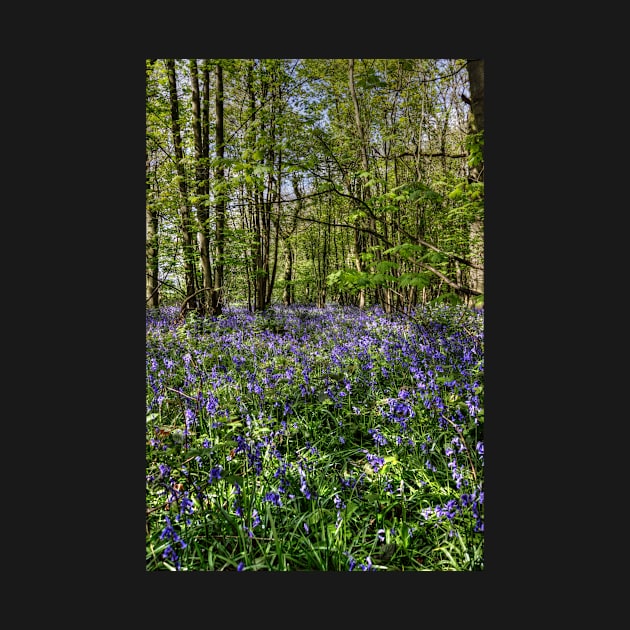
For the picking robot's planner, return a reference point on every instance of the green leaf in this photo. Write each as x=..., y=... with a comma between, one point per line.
x=351, y=508
x=357, y=215
x=261, y=169
x=405, y=250
x=386, y=265
x=419, y=280
x=379, y=279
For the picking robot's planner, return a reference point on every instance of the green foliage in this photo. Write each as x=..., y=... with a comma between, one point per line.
x=415, y=191
x=468, y=203
x=369, y=79
x=474, y=146
x=419, y=280
x=386, y=265
x=447, y=298
x=405, y=250
x=292, y=121
x=351, y=280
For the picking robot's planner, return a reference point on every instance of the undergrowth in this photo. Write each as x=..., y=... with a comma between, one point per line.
x=306, y=439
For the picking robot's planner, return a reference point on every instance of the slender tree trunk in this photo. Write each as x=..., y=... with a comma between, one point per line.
x=260, y=217
x=221, y=195
x=323, y=256
x=288, y=295
x=152, y=267
x=274, y=185
x=260, y=271
x=274, y=261
x=201, y=183
x=185, y=211
x=357, y=116
x=476, y=78
x=246, y=227
x=365, y=165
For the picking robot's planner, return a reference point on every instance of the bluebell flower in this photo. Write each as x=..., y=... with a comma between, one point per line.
x=256, y=521
x=378, y=437
x=191, y=418
x=273, y=497
x=339, y=504
x=170, y=553
x=374, y=460
x=367, y=566
x=351, y=561
x=212, y=404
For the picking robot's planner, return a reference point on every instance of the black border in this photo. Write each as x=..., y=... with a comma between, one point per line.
x=107, y=322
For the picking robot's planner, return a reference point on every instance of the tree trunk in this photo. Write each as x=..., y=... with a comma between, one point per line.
x=287, y=293
x=364, y=163
x=274, y=185
x=476, y=78
x=184, y=210
x=201, y=183
x=152, y=267
x=219, y=174
x=323, y=256
x=260, y=215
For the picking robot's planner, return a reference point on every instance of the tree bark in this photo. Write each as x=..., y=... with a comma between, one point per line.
x=219, y=174
x=358, y=240
x=476, y=78
x=184, y=209
x=152, y=266
x=201, y=184
x=287, y=292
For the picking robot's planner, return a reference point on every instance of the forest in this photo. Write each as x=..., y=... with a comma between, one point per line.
x=314, y=314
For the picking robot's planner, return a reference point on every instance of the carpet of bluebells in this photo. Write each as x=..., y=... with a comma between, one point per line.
x=310, y=439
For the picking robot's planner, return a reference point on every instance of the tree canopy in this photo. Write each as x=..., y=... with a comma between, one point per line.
x=358, y=181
